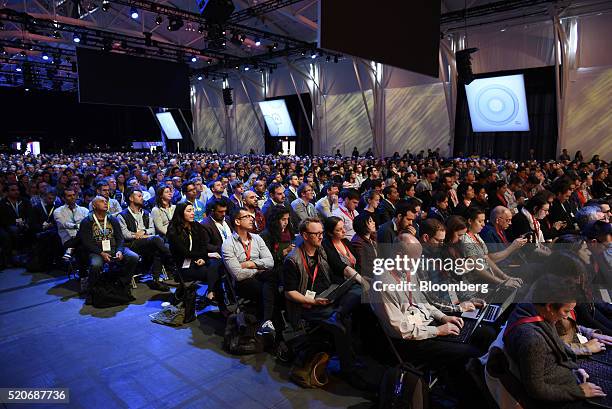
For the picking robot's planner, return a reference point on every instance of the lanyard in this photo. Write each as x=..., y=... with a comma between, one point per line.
x=501, y=234
x=48, y=214
x=536, y=226
x=350, y=216
x=163, y=210
x=347, y=254
x=247, y=249
x=521, y=321
x=195, y=204
x=473, y=236
x=15, y=207
x=98, y=223
x=221, y=228
x=135, y=219
x=313, y=275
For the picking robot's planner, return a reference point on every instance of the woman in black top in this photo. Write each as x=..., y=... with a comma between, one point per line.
x=187, y=241
x=340, y=252
x=278, y=234
x=364, y=244
x=439, y=210
x=372, y=200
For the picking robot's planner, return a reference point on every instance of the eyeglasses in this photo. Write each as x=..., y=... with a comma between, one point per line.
x=242, y=217
x=314, y=233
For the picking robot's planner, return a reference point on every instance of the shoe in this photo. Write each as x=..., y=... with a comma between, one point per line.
x=267, y=328
x=159, y=286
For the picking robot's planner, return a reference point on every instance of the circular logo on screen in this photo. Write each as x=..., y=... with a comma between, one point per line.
x=272, y=123
x=497, y=105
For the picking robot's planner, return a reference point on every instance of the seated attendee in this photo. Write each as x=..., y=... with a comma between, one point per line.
x=364, y=243
x=340, y=253
x=561, y=209
x=115, y=193
x=433, y=235
x=251, y=266
x=413, y=324
x=237, y=191
x=215, y=227
x=475, y=248
x=191, y=196
x=188, y=246
x=306, y=274
x=68, y=219
x=47, y=245
x=278, y=235
x=599, y=235
x=102, y=189
x=139, y=235
x=439, y=209
x=456, y=228
x=403, y=220
x=102, y=240
x=292, y=182
x=465, y=194
x=600, y=187
x=539, y=358
x=497, y=194
x=249, y=199
x=346, y=211
x=302, y=207
x=276, y=196
x=328, y=203
x=14, y=214
x=494, y=235
x=163, y=211
x=386, y=208
x=372, y=201
x=583, y=341
x=527, y=223
x=216, y=189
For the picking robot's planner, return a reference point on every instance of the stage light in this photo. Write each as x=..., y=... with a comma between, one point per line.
x=275, y=46
x=175, y=24
x=27, y=89
x=201, y=29
x=134, y=13
x=76, y=38
x=45, y=57
x=105, y=5
x=213, y=79
x=246, y=68
x=209, y=61
x=158, y=20
x=18, y=69
x=194, y=59
x=56, y=34
x=242, y=38
x=199, y=78
x=257, y=42
x=22, y=54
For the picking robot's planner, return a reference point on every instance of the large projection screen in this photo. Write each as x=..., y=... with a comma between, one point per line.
x=498, y=104
x=277, y=117
x=169, y=125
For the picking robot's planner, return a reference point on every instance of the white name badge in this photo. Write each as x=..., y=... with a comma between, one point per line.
x=310, y=295
x=106, y=246
x=186, y=263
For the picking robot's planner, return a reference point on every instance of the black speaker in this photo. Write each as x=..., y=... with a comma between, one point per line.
x=227, y=96
x=216, y=11
x=464, y=65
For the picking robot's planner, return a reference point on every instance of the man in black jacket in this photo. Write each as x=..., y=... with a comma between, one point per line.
x=276, y=197
x=139, y=234
x=216, y=228
x=102, y=239
x=386, y=207
x=47, y=244
x=14, y=214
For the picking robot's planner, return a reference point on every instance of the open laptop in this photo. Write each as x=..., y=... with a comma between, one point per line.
x=493, y=310
x=601, y=375
x=469, y=327
x=336, y=291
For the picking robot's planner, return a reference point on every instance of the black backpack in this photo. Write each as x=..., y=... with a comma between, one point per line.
x=241, y=335
x=109, y=291
x=185, y=298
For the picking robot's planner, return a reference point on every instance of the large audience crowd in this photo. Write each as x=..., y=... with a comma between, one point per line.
x=283, y=230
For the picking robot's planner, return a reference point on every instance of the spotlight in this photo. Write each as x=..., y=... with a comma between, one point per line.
x=105, y=5
x=158, y=20
x=27, y=90
x=22, y=54
x=213, y=79
x=246, y=68
x=56, y=34
x=242, y=38
x=76, y=38
x=175, y=24
x=18, y=69
x=45, y=57
x=209, y=61
x=313, y=56
x=134, y=13
x=194, y=59
x=257, y=42
x=275, y=46
x=201, y=29
x=199, y=78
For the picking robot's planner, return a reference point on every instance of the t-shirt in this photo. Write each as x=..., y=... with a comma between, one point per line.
x=99, y=234
x=292, y=276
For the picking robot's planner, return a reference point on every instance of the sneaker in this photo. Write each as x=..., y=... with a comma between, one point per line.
x=159, y=286
x=267, y=328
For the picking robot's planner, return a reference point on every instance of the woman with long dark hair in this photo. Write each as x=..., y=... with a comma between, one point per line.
x=278, y=234
x=188, y=242
x=163, y=211
x=364, y=243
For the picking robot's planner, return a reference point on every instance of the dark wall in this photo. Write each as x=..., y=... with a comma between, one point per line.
x=542, y=110
x=54, y=118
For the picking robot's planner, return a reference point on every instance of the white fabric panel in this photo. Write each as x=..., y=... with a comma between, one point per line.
x=594, y=34
x=398, y=78
x=589, y=113
x=515, y=48
x=346, y=124
x=340, y=78
x=248, y=132
x=416, y=119
x=281, y=85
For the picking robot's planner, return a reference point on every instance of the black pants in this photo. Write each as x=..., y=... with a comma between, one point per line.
x=208, y=273
x=260, y=289
x=127, y=266
x=152, y=248
x=11, y=237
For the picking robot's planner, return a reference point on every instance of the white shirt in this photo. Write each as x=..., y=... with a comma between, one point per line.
x=347, y=217
x=68, y=221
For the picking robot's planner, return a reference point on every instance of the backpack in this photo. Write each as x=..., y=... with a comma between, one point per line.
x=109, y=291
x=185, y=300
x=241, y=335
x=313, y=372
